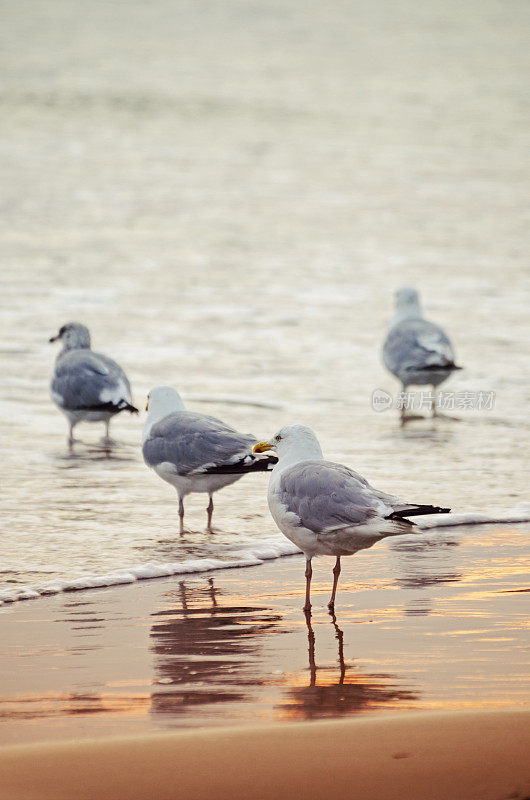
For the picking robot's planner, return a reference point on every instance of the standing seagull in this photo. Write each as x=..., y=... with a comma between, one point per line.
x=416, y=351
x=87, y=386
x=327, y=508
x=194, y=452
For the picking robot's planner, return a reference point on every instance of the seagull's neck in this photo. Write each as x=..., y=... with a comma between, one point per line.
x=158, y=412
x=408, y=311
x=296, y=452
x=67, y=348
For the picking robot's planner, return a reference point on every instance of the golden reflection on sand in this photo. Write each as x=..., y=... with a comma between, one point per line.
x=51, y=704
x=333, y=692
x=204, y=650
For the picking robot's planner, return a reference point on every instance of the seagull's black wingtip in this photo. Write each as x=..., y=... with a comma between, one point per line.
x=248, y=463
x=417, y=511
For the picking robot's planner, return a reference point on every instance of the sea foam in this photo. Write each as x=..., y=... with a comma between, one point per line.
x=247, y=555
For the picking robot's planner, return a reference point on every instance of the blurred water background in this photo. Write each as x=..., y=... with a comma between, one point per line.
x=227, y=194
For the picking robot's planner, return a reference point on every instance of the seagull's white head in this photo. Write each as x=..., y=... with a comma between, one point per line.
x=74, y=336
x=161, y=401
x=292, y=443
x=407, y=304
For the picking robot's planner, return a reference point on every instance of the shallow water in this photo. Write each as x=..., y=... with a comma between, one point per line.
x=231, y=218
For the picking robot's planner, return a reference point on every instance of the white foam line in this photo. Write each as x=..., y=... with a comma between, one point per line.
x=274, y=547
x=255, y=554
x=521, y=513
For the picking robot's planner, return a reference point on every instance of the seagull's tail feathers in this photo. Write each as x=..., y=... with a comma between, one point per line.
x=247, y=463
x=445, y=366
x=413, y=510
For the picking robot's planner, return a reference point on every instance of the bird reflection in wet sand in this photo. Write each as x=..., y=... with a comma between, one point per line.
x=351, y=693
x=205, y=651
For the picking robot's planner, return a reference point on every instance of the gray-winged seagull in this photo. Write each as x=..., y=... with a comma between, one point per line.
x=416, y=351
x=195, y=452
x=87, y=386
x=327, y=508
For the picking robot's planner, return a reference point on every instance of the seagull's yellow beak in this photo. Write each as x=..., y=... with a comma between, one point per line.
x=261, y=447
x=147, y=405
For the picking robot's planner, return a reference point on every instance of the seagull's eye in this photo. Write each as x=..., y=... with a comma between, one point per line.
x=278, y=438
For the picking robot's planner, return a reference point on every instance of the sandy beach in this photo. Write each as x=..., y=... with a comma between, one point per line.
x=462, y=756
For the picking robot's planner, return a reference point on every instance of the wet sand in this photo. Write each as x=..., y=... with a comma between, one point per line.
x=462, y=756
x=435, y=622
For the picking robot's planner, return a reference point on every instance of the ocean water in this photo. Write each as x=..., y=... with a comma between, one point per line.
x=227, y=197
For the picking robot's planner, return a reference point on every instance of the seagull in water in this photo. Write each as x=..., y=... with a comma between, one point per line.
x=327, y=508
x=195, y=452
x=87, y=386
x=416, y=351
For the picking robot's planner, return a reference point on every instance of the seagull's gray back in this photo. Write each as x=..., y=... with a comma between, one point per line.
x=191, y=441
x=418, y=352
x=327, y=496
x=80, y=377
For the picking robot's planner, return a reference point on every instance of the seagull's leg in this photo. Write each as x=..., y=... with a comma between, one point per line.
x=308, y=574
x=209, y=511
x=106, y=439
x=403, y=417
x=440, y=414
x=181, y=514
x=71, y=439
x=435, y=397
x=336, y=573
x=408, y=417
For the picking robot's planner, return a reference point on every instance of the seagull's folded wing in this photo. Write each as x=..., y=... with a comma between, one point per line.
x=326, y=497
x=84, y=380
x=417, y=344
x=195, y=443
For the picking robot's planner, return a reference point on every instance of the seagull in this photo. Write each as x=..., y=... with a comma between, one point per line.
x=416, y=351
x=195, y=452
x=87, y=386
x=327, y=508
